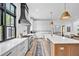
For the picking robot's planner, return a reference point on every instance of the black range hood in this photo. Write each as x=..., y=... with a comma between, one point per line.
x=23, y=19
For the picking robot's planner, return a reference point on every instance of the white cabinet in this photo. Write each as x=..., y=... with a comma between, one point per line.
x=18, y=50
x=11, y=52
x=29, y=42
x=22, y=48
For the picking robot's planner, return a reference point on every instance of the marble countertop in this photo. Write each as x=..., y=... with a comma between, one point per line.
x=61, y=40
x=7, y=45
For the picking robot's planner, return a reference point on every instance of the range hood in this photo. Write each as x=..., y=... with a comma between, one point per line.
x=23, y=19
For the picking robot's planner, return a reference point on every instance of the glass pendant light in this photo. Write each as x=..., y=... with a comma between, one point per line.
x=66, y=15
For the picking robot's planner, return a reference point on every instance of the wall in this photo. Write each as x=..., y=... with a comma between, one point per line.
x=42, y=26
x=19, y=27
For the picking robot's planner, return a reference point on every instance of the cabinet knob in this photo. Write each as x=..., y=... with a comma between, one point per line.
x=61, y=48
x=62, y=51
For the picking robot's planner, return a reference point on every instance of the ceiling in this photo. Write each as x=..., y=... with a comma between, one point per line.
x=43, y=10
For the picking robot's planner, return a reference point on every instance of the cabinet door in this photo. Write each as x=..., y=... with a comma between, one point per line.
x=62, y=50
x=67, y=50
x=21, y=49
x=74, y=50
x=11, y=52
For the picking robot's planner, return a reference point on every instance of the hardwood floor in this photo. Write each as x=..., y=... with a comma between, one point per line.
x=44, y=45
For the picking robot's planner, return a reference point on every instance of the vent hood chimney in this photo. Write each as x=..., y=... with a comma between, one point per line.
x=23, y=19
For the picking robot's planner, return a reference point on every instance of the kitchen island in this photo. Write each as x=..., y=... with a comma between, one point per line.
x=62, y=46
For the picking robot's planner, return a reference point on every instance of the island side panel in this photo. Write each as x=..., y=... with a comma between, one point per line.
x=52, y=49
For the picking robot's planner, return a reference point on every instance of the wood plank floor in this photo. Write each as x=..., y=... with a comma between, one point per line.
x=45, y=47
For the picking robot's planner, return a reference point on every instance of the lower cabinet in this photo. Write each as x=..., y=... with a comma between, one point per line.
x=61, y=50
x=66, y=49
x=11, y=52
x=18, y=50
x=30, y=42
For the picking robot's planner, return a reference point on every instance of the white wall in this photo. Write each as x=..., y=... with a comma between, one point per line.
x=17, y=18
x=42, y=26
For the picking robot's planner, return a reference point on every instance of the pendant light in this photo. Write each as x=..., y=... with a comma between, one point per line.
x=66, y=15
x=51, y=23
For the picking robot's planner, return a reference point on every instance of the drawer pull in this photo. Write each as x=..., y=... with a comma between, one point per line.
x=61, y=48
x=62, y=51
x=9, y=53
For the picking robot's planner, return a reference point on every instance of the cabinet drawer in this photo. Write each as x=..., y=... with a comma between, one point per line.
x=11, y=52
x=22, y=49
x=61, y=50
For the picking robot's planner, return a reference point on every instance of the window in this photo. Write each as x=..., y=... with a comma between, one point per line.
x=7, y=21
x=12, y=21
x=1, y=34
x=13, y=32
x=3, y=18
x=0, y=4
x=0, y=17
x=12, y=9
x=8, y=6
x=8, y=33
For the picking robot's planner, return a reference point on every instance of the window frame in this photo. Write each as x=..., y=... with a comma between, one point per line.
x=3, y=20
